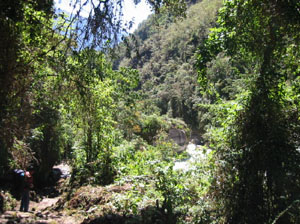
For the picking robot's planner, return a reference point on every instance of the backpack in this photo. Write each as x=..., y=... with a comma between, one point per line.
x=19, y=176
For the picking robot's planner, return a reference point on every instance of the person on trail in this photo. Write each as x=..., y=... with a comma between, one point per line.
x=27, y=185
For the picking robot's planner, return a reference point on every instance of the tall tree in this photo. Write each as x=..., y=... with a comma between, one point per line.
x=22, y=30
x=32, y=33
x=262, y=175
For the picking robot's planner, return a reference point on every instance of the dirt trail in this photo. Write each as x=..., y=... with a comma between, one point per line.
x=40, y=212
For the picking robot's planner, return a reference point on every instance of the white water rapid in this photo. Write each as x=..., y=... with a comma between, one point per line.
x=196, y=153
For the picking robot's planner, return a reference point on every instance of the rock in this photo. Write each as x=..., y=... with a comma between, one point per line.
x=39, y=214
x=196, y=138
x=178, y=136
x=65, y=170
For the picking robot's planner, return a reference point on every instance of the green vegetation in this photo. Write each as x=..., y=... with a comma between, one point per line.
x=121, y=110
x=164, y=53
x=258, y=177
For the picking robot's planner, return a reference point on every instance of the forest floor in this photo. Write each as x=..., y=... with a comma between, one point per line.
x=90, y=204
x=41, y=211
x=87, y=204
x=39, y=214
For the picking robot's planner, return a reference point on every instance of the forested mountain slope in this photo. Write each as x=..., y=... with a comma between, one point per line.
x=231, y=74
x=165, y=57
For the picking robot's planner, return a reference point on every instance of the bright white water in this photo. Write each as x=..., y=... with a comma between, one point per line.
x=196, y=153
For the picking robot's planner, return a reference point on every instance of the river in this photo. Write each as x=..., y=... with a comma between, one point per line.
x=195, y=153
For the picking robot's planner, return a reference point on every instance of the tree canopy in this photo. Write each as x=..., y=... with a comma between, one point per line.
x=36, y=48
x=225, y=75
x=257, y=175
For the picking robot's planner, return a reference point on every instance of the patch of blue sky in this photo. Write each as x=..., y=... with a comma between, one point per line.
x=131, y=12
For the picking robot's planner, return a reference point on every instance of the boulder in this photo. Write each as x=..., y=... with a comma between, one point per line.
x=178, y=136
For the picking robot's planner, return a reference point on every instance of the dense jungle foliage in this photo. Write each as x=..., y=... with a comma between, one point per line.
x=224, y=74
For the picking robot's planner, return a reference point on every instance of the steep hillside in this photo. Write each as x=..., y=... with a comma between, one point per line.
x=165, y=58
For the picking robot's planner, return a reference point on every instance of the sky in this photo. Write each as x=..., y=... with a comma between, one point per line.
x=131, y=11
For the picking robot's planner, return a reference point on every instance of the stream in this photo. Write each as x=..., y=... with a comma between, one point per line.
x=195, y=153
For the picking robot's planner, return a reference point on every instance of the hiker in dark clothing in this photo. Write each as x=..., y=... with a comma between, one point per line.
x=27, y=185
x=18, y=183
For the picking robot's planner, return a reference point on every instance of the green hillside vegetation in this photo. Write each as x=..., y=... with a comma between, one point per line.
x=164, y=54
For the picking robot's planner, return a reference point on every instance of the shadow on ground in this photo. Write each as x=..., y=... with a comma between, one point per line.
x=149, y=215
